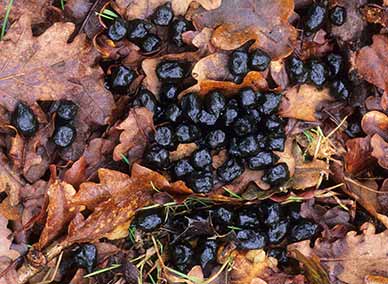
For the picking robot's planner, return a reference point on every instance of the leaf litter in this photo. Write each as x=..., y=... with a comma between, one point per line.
x=58, y=205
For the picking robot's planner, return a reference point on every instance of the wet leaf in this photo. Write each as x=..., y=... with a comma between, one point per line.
x=372, y=62
x=303, y=102
x=114, y=201
x=136, y=131
x=10, y=182
x=354, y=25
x=5, y=233
x=59, y=211
x=350, y=259
x=46, y=68
x=358, y=155
x=263, y=21
x=380, y=150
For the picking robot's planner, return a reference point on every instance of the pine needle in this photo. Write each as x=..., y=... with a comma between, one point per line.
x=232, y=194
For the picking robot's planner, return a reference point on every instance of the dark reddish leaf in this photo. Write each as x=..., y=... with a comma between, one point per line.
x=263, y=21
x=375, y=122
x=372, y=62
x=380, y=150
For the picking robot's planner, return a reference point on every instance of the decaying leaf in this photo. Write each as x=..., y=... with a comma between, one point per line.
x=372, y=62
x=358, y=155
x=380, y=150
x=46, y=68
x=350, y=259
x=249, y=267
x=302, y=102
x=59, y=211
x=10, y=182
x=375, y=14
x=5, y=233
x=36, y=9
x=114, y=201
x=266, y=22
x=136, y=130
x=351, y=30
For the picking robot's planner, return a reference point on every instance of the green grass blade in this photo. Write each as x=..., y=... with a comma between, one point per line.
x=5, y=20
x=110, y=13
x=94, y=273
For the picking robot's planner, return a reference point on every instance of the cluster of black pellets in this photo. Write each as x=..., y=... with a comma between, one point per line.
x=268, y=225
x=24, y=119
x=143, y=32
x=245, y=125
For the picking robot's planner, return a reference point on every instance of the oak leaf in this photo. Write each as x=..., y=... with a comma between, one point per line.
x=5, y=248
x=358, y=156
x=46, y=68
x=136, y=129
x=266, y=22
x=302, y=102
x=60, y=211
x=380, y=150
x=372, y=62
x=350, y=259
x=114, y=201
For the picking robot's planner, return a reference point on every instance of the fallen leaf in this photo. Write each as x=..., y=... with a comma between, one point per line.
x=250, y=266
x=372, y=62
x=33, y=199
x=380, y=150
x=11, y=276
x=183, y=151
x=114, y=201
x=10, y=182
x=354, y=25
x=375, y=122
x=375, y=14
x=36, y=9
x=302, y=102
x=358, y=156
x=314, y=271
x=60, y=211
x=77, y=173
x=279, y=74
x=46, y=68
x=240, y=183
x=39, y=152
x=350, y=259
x=136, y=132
x=266, y=22
x=5, y=248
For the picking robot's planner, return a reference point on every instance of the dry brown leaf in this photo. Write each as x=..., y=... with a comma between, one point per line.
x=46, y=68
x=263, y=21
x=350, y=259
x=372, y=62
x=249, y=267
x=114, y=201
x=240, y=183
x=307, y=174
x=10, y=182
x=59, y=211
x=36, y=9
x=380, y=150
x=375, y=122
x=11, y=276
x=183, y=151
x=136, y=131
x=141, y=9
x=358, y=155
x=5, y=248
x=354, y=25
x=375, y=14
x=77, y=173
x=302, y=102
